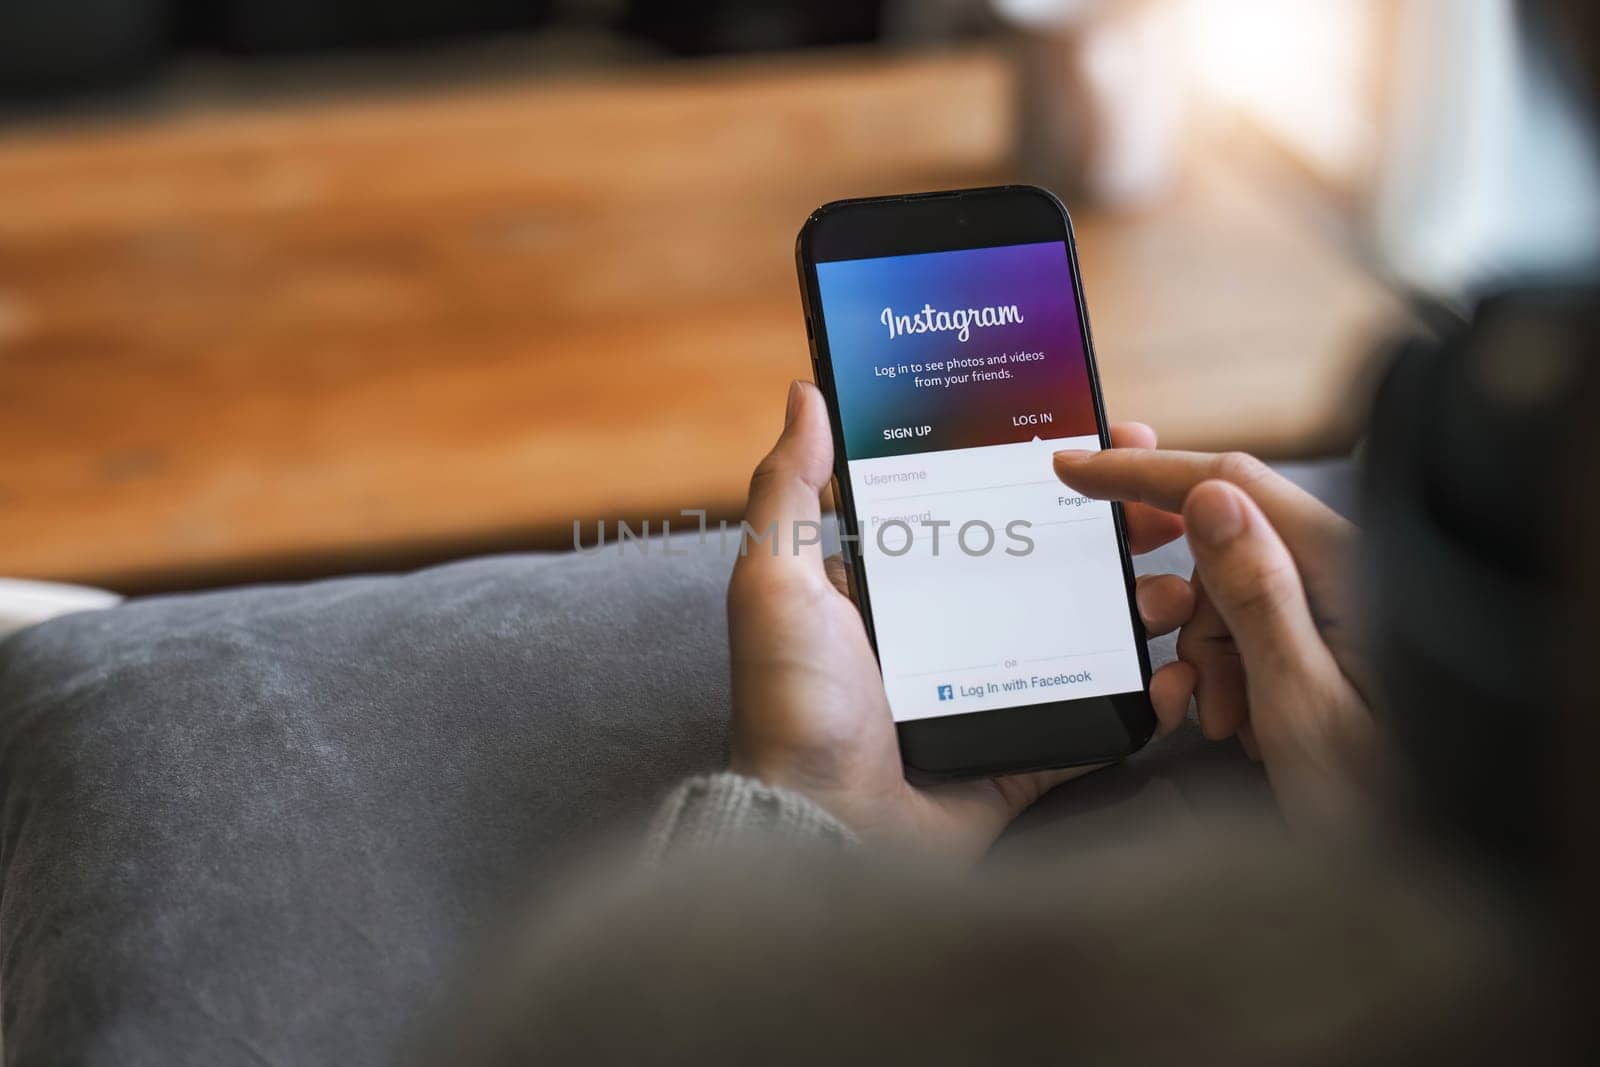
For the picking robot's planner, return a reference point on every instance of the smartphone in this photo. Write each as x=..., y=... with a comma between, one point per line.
x=949, y=334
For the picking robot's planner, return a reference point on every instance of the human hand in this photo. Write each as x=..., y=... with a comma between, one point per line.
x=1269, y=652
x=809, y=709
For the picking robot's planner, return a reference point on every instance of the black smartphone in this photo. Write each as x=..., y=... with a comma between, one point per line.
x=949, y=334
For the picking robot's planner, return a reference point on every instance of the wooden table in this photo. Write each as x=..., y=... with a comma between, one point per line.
x=289, y=340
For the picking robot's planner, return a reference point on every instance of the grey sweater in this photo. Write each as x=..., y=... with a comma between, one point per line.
x=721, y=810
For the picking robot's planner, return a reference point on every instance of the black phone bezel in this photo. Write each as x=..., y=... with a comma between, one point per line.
x=1003, y=740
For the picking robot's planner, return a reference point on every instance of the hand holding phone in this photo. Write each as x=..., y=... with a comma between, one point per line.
x=810, y=710
x=950, y=338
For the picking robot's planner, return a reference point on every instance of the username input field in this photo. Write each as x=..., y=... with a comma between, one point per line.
x=997, y=485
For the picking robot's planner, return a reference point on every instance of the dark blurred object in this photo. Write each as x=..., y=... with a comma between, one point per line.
x=705, y=27
x=48, y=46
x=1482, y=515
x=1479, y=517
x=53, y=48
x=1572, y=29
x=294, y=25
x=49, y=49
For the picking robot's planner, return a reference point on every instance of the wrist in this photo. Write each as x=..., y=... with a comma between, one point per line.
x=816, y=784
x=776, y=774
x=1329, y=777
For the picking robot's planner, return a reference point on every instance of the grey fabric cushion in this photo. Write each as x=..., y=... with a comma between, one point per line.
x=262, y=825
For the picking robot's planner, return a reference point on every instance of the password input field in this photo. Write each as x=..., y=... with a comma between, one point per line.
x=970, y=489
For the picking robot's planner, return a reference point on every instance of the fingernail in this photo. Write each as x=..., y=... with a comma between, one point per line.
x=1139, y=597
x=1072, y=456
x=1213, y=515
x=793, y=404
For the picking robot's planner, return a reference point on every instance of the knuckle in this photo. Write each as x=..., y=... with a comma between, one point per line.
x=769, y=472
x=1242, y=469
x=1263, y=589
x=1196, y=645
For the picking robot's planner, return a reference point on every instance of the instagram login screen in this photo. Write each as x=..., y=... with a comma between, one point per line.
x=992, y=585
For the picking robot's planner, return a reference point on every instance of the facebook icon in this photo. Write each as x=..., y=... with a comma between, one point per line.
x=947, y=692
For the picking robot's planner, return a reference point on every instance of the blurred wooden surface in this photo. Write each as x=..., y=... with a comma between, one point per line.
x=279, y=341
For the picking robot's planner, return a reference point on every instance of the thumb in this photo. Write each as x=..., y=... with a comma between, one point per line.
x=783, y=509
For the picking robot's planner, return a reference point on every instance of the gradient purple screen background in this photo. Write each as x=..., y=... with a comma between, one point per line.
x=1037, y=278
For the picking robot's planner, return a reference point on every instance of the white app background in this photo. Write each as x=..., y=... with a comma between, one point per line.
x=970, y=630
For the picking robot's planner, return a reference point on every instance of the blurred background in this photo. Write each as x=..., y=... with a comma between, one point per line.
x=295, y=287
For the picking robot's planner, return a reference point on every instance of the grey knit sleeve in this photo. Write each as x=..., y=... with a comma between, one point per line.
x=719, y=809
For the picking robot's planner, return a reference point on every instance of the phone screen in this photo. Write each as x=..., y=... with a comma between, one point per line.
x=990, y=583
